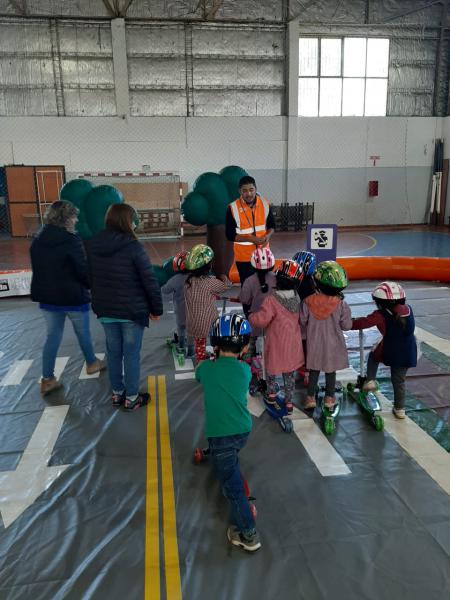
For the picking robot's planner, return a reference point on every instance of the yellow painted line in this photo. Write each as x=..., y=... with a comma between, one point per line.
x=171, y=558
x=372, y=239
x=152, y=585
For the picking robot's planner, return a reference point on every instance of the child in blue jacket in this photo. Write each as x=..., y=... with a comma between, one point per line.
x=398, y=348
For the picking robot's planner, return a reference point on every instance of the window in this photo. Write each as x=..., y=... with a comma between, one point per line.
x=342, y=76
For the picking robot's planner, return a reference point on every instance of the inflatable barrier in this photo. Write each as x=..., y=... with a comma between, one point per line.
x=387, y=267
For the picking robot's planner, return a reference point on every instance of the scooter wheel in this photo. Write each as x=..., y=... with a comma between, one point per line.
x=286, y=425
x=378, y=422
x=329, y=426
x=350, y=387
x=253, y=510
x=198, y=456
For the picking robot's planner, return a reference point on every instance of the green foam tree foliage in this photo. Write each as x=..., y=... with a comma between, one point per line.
x=212, y=193
x=92, y=202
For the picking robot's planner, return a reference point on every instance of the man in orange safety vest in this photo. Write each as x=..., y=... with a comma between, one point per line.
x=249, y=224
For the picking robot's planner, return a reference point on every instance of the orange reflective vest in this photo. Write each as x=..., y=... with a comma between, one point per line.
x=249, y=221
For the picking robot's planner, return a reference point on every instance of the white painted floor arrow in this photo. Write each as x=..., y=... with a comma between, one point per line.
x=20, y=488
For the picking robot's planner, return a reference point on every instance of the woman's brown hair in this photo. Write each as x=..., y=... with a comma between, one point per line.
x=121, y=217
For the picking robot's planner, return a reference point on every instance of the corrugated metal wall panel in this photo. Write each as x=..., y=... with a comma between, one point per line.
x=157, y=103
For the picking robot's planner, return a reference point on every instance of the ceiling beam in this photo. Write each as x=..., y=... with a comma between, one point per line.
x=412, y=11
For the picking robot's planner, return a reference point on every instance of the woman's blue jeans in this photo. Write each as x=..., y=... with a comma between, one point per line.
x=123, y=348
x=225, y=457
x=55, y=328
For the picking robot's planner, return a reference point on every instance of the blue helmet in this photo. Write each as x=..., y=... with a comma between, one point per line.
x=307, y=260
x=231, y=329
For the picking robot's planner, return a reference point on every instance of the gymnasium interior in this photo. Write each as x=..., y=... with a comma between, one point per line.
x=339, y=109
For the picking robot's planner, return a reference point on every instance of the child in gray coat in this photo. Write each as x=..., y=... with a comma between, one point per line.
x=174, y=288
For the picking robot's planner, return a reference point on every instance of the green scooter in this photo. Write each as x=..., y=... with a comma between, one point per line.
x=177, y=352
x=367, y=400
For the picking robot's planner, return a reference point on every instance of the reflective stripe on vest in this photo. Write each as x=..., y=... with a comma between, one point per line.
x=249, y=222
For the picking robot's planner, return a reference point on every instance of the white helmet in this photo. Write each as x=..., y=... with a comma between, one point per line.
x=262, y=258
x=389, y=290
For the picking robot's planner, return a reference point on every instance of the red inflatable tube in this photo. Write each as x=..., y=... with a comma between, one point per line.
x=387, y=268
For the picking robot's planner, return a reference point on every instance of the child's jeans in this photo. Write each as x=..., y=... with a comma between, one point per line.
x=289, y=385
x=55, y=328
x=225, y=457
x=398, y=378
x=330, y=383
x=200, y=349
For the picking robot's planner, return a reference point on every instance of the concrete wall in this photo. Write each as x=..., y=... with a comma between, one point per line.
x=329, y=164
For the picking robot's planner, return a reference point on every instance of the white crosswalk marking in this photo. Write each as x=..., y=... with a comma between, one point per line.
x=187, y=375
x=16, y=372
x=84, y=375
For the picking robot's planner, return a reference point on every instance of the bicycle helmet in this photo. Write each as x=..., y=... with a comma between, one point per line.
x=389, y=290
x=262, y=258
x=230, y=330
x=331, y=275
x=307, y=260
x=198, y=257
x=179, y=261
x=289, y=269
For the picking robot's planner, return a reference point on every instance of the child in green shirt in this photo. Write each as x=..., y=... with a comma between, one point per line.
x=228, y=423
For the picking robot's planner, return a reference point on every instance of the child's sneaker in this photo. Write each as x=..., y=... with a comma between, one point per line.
x=399, y=413
x=289, y=407
x=370, y=386
x=329, y=401
x=250, y=544
x=49, y=385
x=310, y=402
x=95, y=367
x=140, y=400
x=118, y=399
x=271, y=399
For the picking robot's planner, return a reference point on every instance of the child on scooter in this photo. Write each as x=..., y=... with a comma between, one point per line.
x=324, y=315
x=279, y=316
x=200, y=292
x=258, y=286
x=228, y=422
x=398, y=347
x=174, y=288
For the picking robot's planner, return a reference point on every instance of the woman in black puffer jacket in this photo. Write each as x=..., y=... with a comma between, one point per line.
x=60, y=284
x=125, y=294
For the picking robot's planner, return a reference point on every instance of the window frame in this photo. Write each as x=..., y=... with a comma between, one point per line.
x=319, y=75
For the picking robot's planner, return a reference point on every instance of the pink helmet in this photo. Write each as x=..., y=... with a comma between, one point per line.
x=262, y=258
x=389, y=290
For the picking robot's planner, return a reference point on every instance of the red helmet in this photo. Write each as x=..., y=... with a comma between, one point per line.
x=262, y=258
x=290, y=270
x=389, y=290
x=178, y=262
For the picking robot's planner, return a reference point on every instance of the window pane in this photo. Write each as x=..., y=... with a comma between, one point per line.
x=307, y=56
x=354, y=57
x=376, y=97
x=330, y=97
x=377, y=58
x=353, y=98
x=308, y=95
x=330, y=57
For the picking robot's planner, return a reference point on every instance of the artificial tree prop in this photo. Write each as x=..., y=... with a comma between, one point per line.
x=207, y=205
x=92, y=202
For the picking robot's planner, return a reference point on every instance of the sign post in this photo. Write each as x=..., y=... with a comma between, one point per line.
x=322, y=240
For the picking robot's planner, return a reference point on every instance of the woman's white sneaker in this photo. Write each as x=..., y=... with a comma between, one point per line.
x=399, y=413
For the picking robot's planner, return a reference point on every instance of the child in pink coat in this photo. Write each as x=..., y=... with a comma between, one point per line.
x=279, y=316
x=324, y=316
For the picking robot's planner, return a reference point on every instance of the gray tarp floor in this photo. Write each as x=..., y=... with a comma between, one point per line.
x=381, y=532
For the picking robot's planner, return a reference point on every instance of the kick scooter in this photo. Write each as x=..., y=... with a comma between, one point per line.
x=367, y=400
x=177, y=352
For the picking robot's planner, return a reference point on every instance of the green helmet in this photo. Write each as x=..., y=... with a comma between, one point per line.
x=198, y=257
x=329, y=273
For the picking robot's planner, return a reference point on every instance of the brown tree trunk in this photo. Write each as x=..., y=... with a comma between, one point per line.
x=223, y=249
